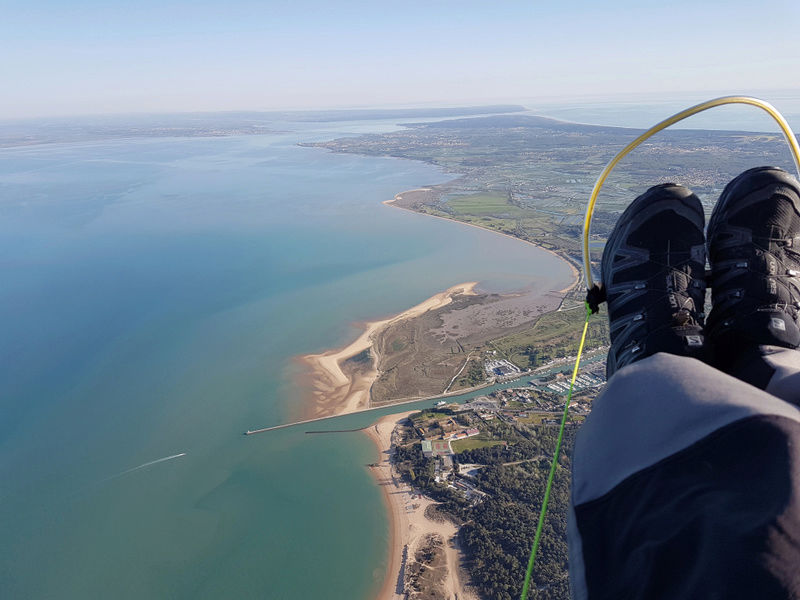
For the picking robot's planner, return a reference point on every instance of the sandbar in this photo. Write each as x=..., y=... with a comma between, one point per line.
x=337, y=392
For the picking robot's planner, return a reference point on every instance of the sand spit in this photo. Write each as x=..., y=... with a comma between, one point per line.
x=408, y=523
x=338, y=392
x=423, y=191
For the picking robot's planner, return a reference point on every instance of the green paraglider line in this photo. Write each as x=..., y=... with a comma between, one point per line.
x=537, y=538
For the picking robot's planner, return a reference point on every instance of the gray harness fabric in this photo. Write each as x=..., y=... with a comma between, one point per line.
x=686, y=484
x=785, y=383
x=654, y=408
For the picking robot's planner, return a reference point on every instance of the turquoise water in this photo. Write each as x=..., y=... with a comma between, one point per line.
x=154, y=295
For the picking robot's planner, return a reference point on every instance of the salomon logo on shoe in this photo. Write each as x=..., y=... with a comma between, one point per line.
x=778, y=324
x=694, y=341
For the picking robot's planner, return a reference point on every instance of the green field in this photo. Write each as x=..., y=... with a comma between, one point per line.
x=499, y=213
x=428, y=415
x=554, y=335
x=538, y=417
x=483, y=205
x=472, y=443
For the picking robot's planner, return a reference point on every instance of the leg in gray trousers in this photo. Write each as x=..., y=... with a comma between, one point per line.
x=686, y=484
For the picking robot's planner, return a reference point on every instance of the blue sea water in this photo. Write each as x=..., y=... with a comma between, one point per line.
x=155, y=292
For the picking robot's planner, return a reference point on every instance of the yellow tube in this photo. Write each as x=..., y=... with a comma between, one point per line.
x=587, y=222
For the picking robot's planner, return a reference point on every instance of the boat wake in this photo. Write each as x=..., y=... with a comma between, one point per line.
x=97, y=484
x=142, y=466
x=147, y=464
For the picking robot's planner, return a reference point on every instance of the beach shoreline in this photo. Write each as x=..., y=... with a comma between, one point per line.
x=408, y=525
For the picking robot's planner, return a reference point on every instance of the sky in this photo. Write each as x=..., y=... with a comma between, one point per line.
x=76, y=57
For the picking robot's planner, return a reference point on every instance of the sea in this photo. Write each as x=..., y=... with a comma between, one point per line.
x=156, y=293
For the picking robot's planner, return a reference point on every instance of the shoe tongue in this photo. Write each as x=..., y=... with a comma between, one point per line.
x=682, y=318
x=774, y=219
x=781, y=217
x=666, y=233
x=678, y=280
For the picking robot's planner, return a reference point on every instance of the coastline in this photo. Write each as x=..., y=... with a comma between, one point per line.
x=336, y=392
x=408, y=525
x=575, y=272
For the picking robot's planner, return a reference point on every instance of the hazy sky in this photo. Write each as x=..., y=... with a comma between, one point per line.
x=106, y=56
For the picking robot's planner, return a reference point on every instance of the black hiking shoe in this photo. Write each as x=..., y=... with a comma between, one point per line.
x=653, y=272
x=754, y=252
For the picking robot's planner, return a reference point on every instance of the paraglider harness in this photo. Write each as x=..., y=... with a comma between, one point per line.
x=596, y=295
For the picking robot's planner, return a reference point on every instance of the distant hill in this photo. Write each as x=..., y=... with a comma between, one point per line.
x=505, y=121
x=23, y=132
x=399, y=113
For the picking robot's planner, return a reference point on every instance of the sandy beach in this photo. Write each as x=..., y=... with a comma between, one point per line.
x=336, y=392
x=408, y=523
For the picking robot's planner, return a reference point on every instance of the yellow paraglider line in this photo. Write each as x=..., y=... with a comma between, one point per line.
x=773, y=112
